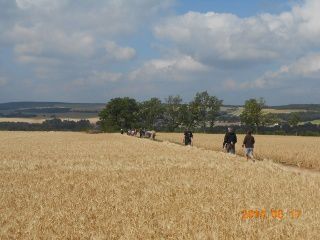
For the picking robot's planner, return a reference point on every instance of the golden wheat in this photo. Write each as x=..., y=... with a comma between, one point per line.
x=299, y=151
x=109, y=186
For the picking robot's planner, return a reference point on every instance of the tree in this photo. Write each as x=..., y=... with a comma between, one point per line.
x=119, y=113
x=294, y=119
x=172, y=112
x=206, y=109
x=150, y=111
x=252, y=114
x=269, y=119
x=187, y=116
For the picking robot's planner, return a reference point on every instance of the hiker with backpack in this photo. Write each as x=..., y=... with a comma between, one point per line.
x=188, y=137
x=230, y=140
x=248, y=144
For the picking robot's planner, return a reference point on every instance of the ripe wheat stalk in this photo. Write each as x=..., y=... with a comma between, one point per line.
x=108, y=186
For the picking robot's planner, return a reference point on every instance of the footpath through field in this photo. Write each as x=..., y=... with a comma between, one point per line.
x=281, y=165
x=291, y=150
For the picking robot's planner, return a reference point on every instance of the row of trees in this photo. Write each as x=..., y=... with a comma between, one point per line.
x=127, y=113
x=200, y=114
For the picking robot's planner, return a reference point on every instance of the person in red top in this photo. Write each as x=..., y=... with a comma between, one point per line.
x=248, y=144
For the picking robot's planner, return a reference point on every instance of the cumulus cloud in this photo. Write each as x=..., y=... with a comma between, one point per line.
x=306, y=68
x=47, y=28
x=216, y=37
x=39, y=41
x=96, y=78
x=101, y=48
x=119, y=53
x=42, y=4
x=54, y=42
x=180, y=68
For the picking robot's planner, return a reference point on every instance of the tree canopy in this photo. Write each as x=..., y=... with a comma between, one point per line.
x=126, y=113
x=119, y=113
x=252, y=114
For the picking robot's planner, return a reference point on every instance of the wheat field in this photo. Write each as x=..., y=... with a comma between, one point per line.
x=108, y=186
x=298, y=151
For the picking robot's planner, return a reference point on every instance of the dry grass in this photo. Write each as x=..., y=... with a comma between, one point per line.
x=107, y=186
x=299, y=151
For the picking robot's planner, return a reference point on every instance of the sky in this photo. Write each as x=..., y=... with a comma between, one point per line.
x=92, y=51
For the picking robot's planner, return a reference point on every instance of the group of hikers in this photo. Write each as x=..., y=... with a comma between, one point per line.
x=143, y=133
x=229, y=142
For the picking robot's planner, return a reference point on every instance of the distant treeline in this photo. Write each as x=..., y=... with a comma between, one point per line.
x=303, y=116
x=84, y=125
x=48, y=125
x=201, y=115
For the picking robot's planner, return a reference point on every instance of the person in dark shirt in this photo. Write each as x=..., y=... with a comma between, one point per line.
x=230, y=140
x=188, y=137
x=248, y=144
x=141, y=133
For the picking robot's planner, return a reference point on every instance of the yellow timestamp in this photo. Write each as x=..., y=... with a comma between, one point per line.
x=279, y=214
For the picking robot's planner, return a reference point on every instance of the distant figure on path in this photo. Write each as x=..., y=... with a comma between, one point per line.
x=150, y=134
x=121, y=131
x=248, y=144
x=141, y=133
x=230, y=140
x=188, y=137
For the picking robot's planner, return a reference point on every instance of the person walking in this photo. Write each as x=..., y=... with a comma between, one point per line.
x=248, y=144
x=188, y=137
x=141, y=133
x=230, y=140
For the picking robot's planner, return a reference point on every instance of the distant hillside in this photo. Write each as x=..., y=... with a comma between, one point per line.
x=63, y=110
x=23, y=105
x=307, y=107
x=50, y=109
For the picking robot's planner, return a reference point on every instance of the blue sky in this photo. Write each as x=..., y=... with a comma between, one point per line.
x=80, y=51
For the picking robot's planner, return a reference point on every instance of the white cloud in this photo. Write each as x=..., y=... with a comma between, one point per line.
x=43, y=4
x=308, y=66
x=91, y=42
x=67, y=28
x=305, y=68
x=119, y=53
x=96, y=79
x=178, y=68
x=230, y=84
x=38, y=40
x=216, y=37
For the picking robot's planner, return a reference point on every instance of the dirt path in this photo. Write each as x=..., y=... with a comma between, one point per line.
x=296, y=169
x=282, y=166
